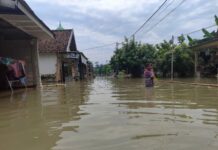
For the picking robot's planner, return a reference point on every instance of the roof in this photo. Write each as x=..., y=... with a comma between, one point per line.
x=19, y=14
x=82, y=54
x=64, y=41
x=206, y=43
x=9, y=32
x=35, y=16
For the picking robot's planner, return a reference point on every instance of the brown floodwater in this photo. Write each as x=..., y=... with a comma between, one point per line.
x=110, y=114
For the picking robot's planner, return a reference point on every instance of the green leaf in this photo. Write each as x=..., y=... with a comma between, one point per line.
x=207, y=34
x=216, y=20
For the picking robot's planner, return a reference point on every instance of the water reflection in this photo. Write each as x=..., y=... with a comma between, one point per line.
x=110, y=114
x=34, y=119
x=173, y=106
x=62, y=104
x=173, y=102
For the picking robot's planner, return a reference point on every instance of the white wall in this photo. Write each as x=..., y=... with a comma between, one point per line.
x=47, y=63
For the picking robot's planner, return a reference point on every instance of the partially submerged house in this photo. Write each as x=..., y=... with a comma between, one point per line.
x=83, y=66
x=90, y=70
x=20, y=30
x=59, y=59
x=206, y=57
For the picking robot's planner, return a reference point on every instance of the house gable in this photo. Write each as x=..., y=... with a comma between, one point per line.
x=64, y=41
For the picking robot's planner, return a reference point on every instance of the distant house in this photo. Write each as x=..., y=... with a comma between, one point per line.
x=59, y=59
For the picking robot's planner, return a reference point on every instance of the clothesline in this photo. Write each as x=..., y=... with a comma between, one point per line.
x=15, y=70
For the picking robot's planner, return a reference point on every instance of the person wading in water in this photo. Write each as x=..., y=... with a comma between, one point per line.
x=149, y=76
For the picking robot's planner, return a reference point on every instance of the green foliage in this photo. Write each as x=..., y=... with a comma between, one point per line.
x=132, y=57
x=207, y=34
x=181, y=39
x=121, y=74
x=103, y=70
x=216, y=20
x=163, y=58
x=191, y=41
x=184, y=61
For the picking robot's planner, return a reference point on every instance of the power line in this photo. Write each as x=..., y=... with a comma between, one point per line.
x=162, y=19
x=159, y=8
x=164, y=9
x=106, y=45
x=101, y=46
x=208, y=27
x=167, y=7
x=195, y=31
x=149, y=19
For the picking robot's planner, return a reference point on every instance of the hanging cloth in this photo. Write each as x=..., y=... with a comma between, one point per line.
x=16, y=69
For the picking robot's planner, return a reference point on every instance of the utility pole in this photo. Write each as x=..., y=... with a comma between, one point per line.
x=117, y=45
x=117, y=65
x=133, y=37
x=172, y=59
x=172, y=66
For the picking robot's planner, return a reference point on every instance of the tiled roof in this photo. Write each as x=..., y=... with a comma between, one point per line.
x=59, y=44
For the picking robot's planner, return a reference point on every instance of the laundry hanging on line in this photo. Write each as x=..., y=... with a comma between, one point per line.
x=16, y=68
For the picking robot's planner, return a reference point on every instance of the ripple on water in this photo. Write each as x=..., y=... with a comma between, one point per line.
x=110, y=114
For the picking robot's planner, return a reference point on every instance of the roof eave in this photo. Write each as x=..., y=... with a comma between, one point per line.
x=23, y=6
x=71, y=39
x=83, y=55
x=213, y=43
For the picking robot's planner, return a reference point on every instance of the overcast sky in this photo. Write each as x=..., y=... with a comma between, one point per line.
x=97, y=22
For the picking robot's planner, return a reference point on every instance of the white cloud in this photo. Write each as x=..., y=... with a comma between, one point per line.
x=109, y=5
x=96, y=36
x=123, y=8
x=102, y=55
x=98, y=22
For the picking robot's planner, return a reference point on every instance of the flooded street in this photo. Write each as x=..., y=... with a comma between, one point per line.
x=109, y=114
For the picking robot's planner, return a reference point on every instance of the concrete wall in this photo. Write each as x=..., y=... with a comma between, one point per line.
x=23, y=50
x=47, y=63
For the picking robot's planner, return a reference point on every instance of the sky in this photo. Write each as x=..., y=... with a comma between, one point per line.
x=99, y=22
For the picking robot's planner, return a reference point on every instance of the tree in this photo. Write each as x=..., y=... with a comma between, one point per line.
x=103, y=70
x=207, y=34
x=163, y=58
x=181, y=39
x=184, y=61
x=132, y=57
x=216, y=20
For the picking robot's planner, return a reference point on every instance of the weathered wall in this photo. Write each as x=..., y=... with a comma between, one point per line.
x=23, y=50
x=47, y=63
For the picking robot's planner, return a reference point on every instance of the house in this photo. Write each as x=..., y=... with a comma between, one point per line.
x=206, y=57
x=59, y=59
x=90, y=70
x=52, y=63
x=20, y=30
